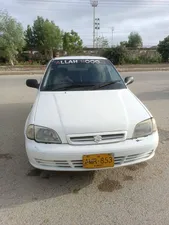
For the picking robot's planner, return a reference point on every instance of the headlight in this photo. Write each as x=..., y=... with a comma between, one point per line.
x=145, y=128
x=42, y=134
x=30, y=132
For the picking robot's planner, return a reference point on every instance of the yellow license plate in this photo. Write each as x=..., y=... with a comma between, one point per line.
x=98, y=161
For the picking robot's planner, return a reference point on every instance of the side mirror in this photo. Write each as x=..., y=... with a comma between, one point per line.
x=33, y=83
x=128, y=80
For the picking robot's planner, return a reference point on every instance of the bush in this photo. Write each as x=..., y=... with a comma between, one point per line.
x=121, y=55
x=163, y=49
x=26, y=63
x=117, y=54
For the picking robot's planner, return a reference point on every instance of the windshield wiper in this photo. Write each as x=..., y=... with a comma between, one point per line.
x=79, y=85
x=67, y=87
x=106, y=84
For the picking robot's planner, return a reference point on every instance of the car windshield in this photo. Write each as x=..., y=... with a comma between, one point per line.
x=81, y=74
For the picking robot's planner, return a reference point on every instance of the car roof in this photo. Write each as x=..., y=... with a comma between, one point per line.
x=79, y=57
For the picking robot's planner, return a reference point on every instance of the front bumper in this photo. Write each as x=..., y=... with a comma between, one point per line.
x=65, y=157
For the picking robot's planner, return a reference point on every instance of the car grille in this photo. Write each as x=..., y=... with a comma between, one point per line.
x=97, y=138
x=120, y=160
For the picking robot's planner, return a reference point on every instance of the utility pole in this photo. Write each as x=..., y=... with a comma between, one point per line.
x=97, y=27
x=112, y=34
x=94, y=4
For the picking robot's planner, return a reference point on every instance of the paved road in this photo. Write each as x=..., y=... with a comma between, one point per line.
x=135, y=195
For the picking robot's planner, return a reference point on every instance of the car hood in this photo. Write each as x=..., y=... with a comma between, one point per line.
x=85, y=112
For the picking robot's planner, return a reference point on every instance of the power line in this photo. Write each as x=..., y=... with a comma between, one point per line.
x=69, y=7
x=100, y=2
x=105, y=3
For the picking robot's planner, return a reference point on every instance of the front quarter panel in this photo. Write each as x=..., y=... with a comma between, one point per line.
x=141, y=103
x=135, y=110
x=31, y=116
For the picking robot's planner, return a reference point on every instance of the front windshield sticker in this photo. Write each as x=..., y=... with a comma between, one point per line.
x=73, y=61
x=90, y=61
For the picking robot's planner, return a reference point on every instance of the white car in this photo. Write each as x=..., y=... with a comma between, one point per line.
x=85, y=118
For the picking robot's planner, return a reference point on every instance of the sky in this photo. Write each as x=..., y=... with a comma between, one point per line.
x=150, y=18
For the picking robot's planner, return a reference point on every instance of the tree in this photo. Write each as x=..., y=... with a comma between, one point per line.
x=72, y=43
x=134, y=40
x=11, y=38
x=124, y=43
x=102, y=42
x=30, y=39
x=117, y=54
x=53, y=36
x=44, y=36
x=163, y=49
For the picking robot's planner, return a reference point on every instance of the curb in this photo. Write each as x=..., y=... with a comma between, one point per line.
x=10, y=73
x=41, y=72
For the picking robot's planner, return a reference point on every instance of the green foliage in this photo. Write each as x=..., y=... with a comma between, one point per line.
x=122, y=55
x=102, y=42
x=38, y=33
x=134, y=40
x=30, y=39
x=116, y=54
x=44, y=36
x=72, y=43
x=52, y=36
x=124, y=43
x=27, y=63
x=11, y=38
x=143, y=59
x=163, y=49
